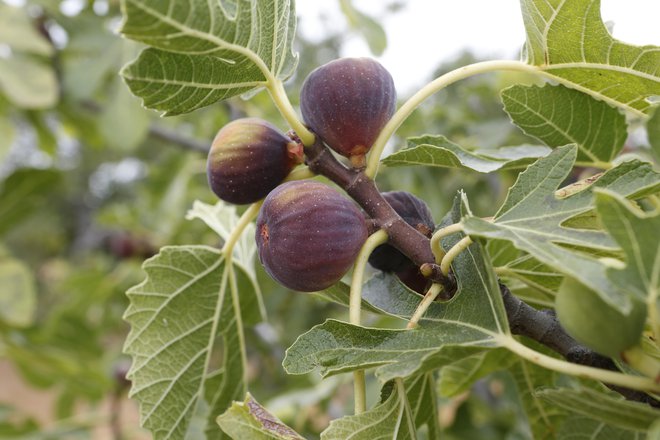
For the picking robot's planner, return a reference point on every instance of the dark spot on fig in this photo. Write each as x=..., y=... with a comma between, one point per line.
x=313, y=235
x=347, y=102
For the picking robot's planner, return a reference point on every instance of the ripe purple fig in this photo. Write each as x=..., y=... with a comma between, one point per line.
x=249, y=157
x=308, y=235
x=347, y=102
x=417, y=214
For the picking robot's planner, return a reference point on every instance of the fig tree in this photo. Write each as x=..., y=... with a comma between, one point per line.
x=308, y=235
x=248, y=158
x=595, y=323
x=417, y=214
x=347, y=102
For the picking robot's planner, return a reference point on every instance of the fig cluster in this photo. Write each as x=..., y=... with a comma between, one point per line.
x=308, y=235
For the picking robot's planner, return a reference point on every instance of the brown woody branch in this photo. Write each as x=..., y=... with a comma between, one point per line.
x=524, y=320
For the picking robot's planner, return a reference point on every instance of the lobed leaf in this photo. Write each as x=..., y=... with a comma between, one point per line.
x=570, y=42
x=202, y=52
x=601, y=407
x=544, y=418
x=422, y=397
x=653, y=130
x=337, y=347
x=459, y=376
x=557, y=116
x=578, y=427
x=638, y=235
x=176, y=315
x=438, y=151
x=223, y=219
x=533, y=218
x=250, y=420
x=390, y=419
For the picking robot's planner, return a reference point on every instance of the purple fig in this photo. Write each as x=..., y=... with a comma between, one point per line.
x=416, y=213
x=308, y=235
x=249, y=157
x=347, y=102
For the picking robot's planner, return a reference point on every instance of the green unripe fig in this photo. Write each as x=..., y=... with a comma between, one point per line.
x=347, y=102
x=308, y=235
x=249, y=157
x=596, y=324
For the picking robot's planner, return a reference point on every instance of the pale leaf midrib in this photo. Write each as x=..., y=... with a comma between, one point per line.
x=600, y=66
x=214, y=86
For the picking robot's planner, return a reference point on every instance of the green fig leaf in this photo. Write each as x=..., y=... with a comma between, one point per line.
x=557, y=116
x=570, y=42
x=228, y=49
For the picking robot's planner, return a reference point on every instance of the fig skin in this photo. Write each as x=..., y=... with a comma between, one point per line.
x=417, y=214
x=308, y=235
x=596, y=324
x=347, y=102
x=249, y=157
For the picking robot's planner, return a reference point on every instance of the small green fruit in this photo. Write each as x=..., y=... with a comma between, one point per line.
x=595, y=323
x=249, y=157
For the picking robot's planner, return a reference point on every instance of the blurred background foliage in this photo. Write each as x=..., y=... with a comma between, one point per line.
x=91, y=184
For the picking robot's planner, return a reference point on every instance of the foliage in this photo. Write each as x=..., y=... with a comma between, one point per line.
x=524, y=207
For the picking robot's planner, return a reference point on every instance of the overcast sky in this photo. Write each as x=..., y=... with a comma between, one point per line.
x=426, y=32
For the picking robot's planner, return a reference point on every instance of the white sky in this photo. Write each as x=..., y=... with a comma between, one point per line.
x=426, y=32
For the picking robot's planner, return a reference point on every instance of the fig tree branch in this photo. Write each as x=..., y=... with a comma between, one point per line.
x=363, y=190
x=524, y=320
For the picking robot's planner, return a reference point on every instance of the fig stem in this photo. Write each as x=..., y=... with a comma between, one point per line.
x=281, y=100
x=423, y=306
x=642, y=362
x=300, y=173
x=445, y=264
x=355, y=308
x=247, y=217
x=610, y=377
x=436, y=245
x=433, y=87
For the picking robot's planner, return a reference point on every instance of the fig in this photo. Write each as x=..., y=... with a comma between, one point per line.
x=347, y=102
x=413, y=279
x=248, y=158
x=417, y=214
x=594, y=323
x=308, y=235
